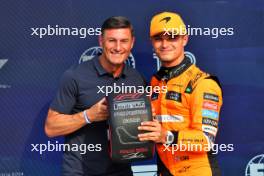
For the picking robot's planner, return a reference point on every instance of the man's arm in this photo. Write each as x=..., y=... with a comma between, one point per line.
x=58, y=124
x=205, y=104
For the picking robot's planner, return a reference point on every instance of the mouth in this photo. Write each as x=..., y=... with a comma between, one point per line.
x=115, y=53
x=165, y=51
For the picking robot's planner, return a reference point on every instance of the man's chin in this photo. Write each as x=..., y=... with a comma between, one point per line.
x=117, y=62
x=166, y=59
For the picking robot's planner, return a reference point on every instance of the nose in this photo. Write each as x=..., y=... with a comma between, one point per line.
x=118, y=46
x=164, y=43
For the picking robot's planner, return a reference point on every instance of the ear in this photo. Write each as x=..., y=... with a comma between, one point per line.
x=185, y=40
x=133, y=41
x=100, y=40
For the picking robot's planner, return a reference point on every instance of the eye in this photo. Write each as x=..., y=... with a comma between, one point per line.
x=111, y=40
x=173, y=37
x=157, y=38
x=124, y=40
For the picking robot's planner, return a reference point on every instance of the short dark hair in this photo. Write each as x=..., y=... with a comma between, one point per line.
x=117, y=22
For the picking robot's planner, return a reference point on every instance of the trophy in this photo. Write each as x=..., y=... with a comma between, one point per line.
x=127, y=111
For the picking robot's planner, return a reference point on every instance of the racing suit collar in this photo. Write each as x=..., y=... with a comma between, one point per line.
x=167, y=73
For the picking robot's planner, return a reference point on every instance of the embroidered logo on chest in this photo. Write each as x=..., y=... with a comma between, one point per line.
x=172, y=95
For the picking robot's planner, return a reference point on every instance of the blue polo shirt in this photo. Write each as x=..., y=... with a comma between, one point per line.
x=79, y=91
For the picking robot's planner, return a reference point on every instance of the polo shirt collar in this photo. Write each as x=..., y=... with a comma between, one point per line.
x=99, y=68
x=101, y=71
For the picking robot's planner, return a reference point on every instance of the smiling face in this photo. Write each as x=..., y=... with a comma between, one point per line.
x=116, y=44
x=169, y=48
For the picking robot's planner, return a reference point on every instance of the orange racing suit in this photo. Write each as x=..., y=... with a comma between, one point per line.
x=190, y=110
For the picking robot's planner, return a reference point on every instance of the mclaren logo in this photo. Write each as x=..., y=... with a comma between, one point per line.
x=96, y=51
x=3, y=62
x=166, y=19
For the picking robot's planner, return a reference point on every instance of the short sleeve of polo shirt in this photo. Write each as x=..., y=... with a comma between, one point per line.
x=65, y=98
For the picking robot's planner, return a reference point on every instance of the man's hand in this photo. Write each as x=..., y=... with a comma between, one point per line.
x=99, y=111
x=155, y=132
x=59, y=124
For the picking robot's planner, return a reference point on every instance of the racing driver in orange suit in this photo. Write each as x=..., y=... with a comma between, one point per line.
x=187, y=114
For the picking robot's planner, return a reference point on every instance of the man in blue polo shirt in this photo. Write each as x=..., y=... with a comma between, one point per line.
x=79, y=110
